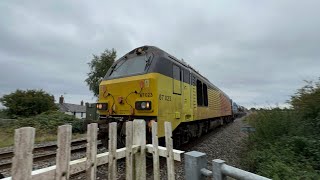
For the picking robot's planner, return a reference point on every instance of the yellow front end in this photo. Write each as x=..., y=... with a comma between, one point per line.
x=123, y=95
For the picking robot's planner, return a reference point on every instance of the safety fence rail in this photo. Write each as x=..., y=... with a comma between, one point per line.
x=196, y=164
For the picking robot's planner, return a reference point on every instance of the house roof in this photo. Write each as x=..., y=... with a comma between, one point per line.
x=67, y=107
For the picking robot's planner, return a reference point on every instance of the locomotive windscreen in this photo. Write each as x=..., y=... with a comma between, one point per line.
x=130, y=66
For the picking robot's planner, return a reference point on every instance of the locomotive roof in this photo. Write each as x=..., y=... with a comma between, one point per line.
x=160, y=52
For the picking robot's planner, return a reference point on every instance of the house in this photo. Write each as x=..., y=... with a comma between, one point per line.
x=79, y=111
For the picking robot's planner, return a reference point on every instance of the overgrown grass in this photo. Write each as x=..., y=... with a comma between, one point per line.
x=46, y=125
x=8, y=139
x=283, y=146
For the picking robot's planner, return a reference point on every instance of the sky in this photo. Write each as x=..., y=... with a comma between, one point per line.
x=258, y=52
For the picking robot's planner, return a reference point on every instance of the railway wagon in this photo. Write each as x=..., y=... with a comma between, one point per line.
x=148, y=83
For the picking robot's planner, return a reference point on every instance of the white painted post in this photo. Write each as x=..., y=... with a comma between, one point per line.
x=23, y=157
x=91, y=163
x=216, y=169
x=194, y=161
x=63, y=152
x=129, y=154
x=169, y=145
x=139, y=138
x=112, y=171
x=155, y=152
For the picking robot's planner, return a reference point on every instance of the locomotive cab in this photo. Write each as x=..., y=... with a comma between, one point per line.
x=127, y=90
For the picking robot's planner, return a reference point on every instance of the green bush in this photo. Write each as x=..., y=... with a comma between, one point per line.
x=28, y=103
x=306, y=101
x=46, y=125
x=286, y=143
x=46, y=122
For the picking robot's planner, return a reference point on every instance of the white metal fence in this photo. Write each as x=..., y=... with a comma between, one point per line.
x=134, y=152
x=196, y=164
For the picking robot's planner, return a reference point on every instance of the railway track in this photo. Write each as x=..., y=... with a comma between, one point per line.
x=194, y=142
x=43, y=153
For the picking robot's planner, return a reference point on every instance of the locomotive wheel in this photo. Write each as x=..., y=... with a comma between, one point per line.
x=177, y=141
x=199, y=130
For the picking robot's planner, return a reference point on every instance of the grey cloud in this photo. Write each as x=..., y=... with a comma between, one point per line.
x=258, y=52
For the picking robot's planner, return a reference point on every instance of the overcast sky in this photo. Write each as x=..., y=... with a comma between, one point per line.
x=258, y=52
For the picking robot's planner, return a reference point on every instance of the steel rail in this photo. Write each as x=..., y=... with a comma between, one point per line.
x=46, y=156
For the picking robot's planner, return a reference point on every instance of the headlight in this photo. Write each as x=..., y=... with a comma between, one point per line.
x=102, y=106
x=143, y=105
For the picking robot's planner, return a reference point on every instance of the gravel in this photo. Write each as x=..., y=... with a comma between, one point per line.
x=224, y=143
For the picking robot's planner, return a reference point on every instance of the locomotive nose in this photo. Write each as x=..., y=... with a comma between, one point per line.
x=127, y=97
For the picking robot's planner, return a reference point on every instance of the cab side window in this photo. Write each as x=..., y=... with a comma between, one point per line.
x=199, y=93
x=186, y=76
x=176, y=72
x=205, y=94
x=177, y=78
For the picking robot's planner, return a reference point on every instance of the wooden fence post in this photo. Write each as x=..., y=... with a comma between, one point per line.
x=169, y=145
x=139, y=138
x=91, y=163
x=23, y=158
x=155, y=152
x=112, y=170
x=129, y=155
x=63, y=152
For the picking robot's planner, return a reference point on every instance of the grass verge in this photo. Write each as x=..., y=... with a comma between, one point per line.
x=46, y=125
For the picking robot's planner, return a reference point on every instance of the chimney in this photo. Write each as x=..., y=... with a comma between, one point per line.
x=81, y=103
x=61, y=99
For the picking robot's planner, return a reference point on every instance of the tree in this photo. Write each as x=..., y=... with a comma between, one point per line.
x=253, y=109
x=28, y=103
x=99, y=66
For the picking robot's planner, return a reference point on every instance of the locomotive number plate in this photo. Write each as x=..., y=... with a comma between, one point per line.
x=164, y=97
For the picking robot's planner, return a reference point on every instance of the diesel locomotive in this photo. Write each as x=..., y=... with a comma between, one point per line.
x=148, y=83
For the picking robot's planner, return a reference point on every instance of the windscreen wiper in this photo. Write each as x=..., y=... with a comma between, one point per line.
x=148, y=62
